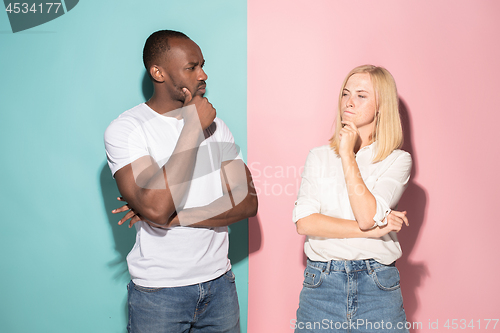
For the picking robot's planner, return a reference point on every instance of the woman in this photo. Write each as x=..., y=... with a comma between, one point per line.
x=344, y=206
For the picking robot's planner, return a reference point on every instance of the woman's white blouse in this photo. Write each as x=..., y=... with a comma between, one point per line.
x=323, y=190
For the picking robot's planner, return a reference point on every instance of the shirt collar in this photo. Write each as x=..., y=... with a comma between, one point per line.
x=367, y=149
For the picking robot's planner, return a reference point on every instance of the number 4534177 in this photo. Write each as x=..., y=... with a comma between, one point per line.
x=463, y=324
x=25, y=8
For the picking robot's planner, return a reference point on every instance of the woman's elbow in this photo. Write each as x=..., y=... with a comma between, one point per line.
x=301, y=227
x=366, y=224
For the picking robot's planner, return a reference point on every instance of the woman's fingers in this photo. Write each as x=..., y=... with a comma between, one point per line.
x=396, y=219
x=401, y=215
x=348, y=124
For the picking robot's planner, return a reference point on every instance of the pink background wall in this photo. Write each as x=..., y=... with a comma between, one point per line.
x=444, y=56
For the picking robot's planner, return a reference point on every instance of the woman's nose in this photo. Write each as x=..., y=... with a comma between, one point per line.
x=349, y=103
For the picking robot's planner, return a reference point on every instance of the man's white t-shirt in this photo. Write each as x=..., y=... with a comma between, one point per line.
x=178, y=256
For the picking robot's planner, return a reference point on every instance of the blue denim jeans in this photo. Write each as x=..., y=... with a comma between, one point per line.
x=210, y=307
x=350, y=296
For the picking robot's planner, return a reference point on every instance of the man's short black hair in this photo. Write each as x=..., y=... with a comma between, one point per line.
x=157, y=45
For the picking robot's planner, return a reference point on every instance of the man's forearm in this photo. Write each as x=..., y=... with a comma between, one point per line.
x=209, y=216
x=160, y=189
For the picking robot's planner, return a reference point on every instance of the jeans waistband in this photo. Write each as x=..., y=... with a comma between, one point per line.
x=347, y=266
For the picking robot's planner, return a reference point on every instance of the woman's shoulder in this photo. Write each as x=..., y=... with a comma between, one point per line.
x=322, y=154
x=400, y=153
x=325, y=149
x=399, y=156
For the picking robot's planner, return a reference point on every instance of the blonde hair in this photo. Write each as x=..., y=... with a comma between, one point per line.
x=388, y=131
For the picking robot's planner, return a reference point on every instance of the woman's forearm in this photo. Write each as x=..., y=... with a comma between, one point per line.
x=363, y=203
x=320, y=225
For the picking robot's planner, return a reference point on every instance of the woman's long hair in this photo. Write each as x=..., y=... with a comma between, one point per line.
x=388, y=131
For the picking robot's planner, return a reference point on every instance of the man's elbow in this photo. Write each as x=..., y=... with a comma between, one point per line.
x=253, y=205
x=159, y=216
x=247, y=199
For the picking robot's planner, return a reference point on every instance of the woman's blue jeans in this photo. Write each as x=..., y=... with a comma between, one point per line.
x=210, y=307
x=350, y=296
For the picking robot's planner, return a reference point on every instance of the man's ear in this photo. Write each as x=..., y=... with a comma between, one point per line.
x=156, y=73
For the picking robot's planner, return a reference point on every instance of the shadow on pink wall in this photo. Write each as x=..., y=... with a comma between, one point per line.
x=414, y=201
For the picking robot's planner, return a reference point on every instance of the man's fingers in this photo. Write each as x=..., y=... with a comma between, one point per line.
x=187, y=96
x=120, y=209
x=127, y=216
x=134, y=219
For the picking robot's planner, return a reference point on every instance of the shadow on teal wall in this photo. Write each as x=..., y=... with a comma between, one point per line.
x=63, y=82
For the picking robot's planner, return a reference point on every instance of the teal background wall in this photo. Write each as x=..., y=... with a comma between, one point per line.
x=61, y=84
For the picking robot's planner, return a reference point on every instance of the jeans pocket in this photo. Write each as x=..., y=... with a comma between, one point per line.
x=386, y=278
x=229, y=275
x=146, y=289
x=312, y=277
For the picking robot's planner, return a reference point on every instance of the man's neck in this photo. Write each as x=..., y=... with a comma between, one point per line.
x=163, y=104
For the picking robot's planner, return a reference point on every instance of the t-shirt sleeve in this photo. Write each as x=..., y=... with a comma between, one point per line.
x=307, y=201
x=390, y=186
x=230, y=150
x=124, y=142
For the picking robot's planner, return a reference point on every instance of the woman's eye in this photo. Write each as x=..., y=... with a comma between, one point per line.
x=361, y=96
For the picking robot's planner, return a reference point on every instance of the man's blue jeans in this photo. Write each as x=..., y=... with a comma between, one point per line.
x=210, y=307
x=350, y=296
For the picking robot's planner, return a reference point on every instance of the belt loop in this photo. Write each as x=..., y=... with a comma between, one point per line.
x=327, y=269
x=368, y=267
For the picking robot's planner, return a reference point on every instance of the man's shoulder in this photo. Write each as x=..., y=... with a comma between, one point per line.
x=222, y=129
x=132, y=117
x=138, y=113
x=221, y=123
x=127, y=122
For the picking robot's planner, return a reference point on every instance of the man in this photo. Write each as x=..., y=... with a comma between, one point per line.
x=178, y=168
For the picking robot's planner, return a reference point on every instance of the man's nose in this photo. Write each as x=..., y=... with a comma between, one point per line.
x=202, y=76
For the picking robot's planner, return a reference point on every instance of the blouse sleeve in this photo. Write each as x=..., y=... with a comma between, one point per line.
x=390, y=185
x=307, y=202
